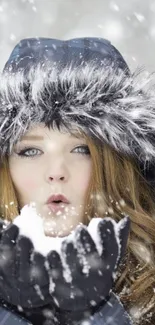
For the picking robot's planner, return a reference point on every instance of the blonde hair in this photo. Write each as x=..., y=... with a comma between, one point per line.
x=8, y=198
x=120, y=189
x=117, y=188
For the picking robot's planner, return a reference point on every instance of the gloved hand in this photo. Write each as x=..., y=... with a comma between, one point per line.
x=23, y=278
x=82, y=276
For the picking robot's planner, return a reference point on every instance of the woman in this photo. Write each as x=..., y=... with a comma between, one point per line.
x=86, y=126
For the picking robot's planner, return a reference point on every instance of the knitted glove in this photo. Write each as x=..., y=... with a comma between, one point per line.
x=23, y=278
x=82, y=275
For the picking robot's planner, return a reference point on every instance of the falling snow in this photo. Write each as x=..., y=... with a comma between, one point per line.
x=28, y=220
x=130, y=25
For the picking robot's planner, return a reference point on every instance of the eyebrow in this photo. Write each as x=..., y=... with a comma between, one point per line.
x=32, y=137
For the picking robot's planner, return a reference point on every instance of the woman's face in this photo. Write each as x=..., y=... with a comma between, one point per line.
x=48, y=162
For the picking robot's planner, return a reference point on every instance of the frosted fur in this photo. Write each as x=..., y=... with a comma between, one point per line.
x=104, y=103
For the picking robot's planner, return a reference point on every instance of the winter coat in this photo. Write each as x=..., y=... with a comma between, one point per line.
x=110, y=313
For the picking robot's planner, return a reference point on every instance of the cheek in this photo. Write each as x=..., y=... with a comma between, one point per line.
x=82, y=183
x=23, y=179
x=28, y=184
x=82, y=178
x=26, y=187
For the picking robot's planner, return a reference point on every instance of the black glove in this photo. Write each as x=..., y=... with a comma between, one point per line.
x=111, y=312
x=71, y=288
x=24, y=280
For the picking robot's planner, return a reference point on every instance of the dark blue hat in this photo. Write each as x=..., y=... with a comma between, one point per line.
x=77, y=88
x=78, y=52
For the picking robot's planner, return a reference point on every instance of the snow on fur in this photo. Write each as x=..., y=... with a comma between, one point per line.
x=103, y=103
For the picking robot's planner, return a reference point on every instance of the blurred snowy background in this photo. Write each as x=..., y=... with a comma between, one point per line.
x=129, y=24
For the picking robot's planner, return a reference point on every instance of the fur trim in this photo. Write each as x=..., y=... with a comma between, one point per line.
x=104, y=103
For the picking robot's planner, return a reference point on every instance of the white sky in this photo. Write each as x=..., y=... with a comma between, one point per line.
x=130, y=25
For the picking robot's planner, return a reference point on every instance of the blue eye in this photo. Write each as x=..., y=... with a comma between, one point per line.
x=33, y=152
x=84, y=150
x=26, y=152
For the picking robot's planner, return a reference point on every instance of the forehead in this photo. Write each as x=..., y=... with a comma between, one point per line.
x=41, y=132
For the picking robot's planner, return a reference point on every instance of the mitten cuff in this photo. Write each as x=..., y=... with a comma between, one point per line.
x=111, y=312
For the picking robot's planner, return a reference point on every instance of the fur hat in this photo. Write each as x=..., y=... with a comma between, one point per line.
x=81, y=83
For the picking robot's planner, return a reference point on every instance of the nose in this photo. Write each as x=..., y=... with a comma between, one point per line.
x=57, y=171
x=56, y=178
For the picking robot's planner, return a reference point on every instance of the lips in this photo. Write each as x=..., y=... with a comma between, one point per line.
x=57, y=198
x=57, y=203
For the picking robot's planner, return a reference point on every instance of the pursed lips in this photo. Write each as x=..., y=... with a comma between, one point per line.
x=57, y=203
